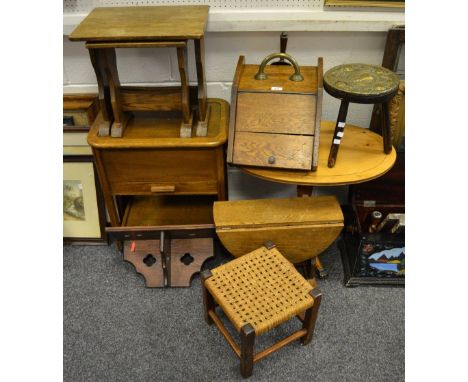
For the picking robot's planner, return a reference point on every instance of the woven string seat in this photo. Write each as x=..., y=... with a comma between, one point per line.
x=262, y=289
x=257, y=292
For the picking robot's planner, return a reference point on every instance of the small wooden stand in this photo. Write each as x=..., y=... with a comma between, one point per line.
x=106, y=29
x=365, y=84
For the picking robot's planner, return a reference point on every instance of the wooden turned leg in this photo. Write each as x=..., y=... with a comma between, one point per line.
x=120, y=118
x=338, y=134
x=306, y=191
x=98, y=62
x=386, y=129
x=322, y=272
x=311, y=316
x=203, y=110
x=247, y=339
x=208, y=300
x=186, y=125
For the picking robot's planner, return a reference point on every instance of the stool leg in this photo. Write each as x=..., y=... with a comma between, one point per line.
x=386, y=129
x=120, y=118
x=201, y=78
x=98, y=62
x=247, y=339
x=311, y=316
x=186, y=125
x=208, y=300
x=338, y=134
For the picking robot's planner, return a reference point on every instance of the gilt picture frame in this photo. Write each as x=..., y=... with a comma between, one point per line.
x=365, y=3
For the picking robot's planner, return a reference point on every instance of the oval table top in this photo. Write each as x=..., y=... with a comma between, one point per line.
x=360, y=159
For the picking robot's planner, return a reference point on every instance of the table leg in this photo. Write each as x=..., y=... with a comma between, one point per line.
x=202, y=125
x=186, y=125
x=306, y=191
x=386, y=128
x=120, y=118
x=338, y=134
x=322, y=272
x=98, y=62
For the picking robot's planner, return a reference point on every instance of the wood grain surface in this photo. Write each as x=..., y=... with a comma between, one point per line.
x=288, y=151
x=318, y=114
x=153, y=275
x=278, y=76
x=361, y=159
x=83, y=101
x=296, y=243
x=301, y=228
x=153, y=130
x=136, y=98
x=135, y=172
x=169, y=210
x=136, y=44
x=232, y=120
x=276, y=113
x=142, y=23
x=276, y=212
x=199, y=249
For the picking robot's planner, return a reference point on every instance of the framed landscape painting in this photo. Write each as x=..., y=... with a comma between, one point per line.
x=83, y=208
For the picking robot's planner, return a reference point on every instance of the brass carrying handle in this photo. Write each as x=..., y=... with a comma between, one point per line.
x=297, y=76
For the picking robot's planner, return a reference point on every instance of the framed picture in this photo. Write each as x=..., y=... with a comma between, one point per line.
x=79, y=111
x=84, y=217
x=366, y=3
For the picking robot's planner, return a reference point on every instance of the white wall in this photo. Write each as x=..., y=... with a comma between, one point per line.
x=158, y=66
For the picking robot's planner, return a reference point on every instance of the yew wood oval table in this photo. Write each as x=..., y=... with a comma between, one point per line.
x=361, y=160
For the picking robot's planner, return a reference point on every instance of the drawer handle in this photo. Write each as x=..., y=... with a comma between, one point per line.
x=163, y=188
x=271, y=159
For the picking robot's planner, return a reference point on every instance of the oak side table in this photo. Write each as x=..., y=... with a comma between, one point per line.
x=108, y=28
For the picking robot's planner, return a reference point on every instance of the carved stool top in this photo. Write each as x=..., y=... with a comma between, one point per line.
x=361, y=83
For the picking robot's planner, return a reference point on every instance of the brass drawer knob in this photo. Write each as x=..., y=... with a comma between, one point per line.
x=271, y=159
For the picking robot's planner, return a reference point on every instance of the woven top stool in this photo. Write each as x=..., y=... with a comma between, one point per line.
x=258, y=292
x=360, y=83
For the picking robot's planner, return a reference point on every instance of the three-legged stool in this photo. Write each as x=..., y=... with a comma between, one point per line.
x=257, y=292
x=360, y=83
